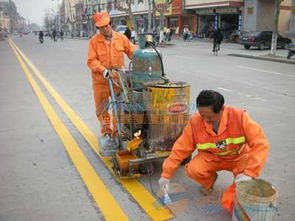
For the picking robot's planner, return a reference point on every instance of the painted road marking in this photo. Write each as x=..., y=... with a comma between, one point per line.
x=224, y=89
x=183, y=56
x=260, y=70
x=143, y=197
x=252, y=97
x=103, y=198
x=242, y=94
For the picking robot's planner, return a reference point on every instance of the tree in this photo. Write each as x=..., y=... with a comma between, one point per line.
x=275, y=27
x=125, y=6
x=161, y=8
x=47, y=22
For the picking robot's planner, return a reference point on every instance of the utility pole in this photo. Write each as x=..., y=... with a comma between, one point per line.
x=52, y=16
x=273, y=49
x=150, y=16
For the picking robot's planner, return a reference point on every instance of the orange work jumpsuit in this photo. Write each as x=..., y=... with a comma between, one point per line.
x=240, y=147
x=106, y=55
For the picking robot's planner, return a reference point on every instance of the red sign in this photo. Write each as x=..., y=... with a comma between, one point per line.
x=176, y=108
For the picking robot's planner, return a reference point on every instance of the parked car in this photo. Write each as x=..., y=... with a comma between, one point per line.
x=121, y=28
x=262, y=39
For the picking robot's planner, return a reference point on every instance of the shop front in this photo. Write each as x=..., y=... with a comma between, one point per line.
x=213, y=14
x=227, y=19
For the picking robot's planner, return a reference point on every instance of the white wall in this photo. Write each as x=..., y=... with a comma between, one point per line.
x=250, y=14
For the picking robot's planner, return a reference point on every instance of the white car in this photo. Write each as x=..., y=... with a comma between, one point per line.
x=121, y=28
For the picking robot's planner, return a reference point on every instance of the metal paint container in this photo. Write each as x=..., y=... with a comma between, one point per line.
x=168, y=112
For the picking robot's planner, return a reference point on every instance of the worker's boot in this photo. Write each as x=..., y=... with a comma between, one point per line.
x=209, y=191
x=108, y=145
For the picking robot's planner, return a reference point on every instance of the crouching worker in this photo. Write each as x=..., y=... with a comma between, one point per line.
x=226, y=139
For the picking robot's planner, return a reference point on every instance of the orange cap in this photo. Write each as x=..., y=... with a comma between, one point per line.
x=101, y=19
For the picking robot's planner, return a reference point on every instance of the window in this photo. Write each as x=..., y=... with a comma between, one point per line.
x=250, y=11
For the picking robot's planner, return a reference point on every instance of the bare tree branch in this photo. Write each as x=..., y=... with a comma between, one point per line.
x=127, y=10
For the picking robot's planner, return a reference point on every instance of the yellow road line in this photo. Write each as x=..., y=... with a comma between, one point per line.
x=105, y=201
x=143, y=197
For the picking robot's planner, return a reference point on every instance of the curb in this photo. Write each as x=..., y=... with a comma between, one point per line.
x=278, y=59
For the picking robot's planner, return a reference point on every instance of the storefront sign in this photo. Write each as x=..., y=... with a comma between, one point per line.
x=240, y=24
x=215, y=22
x=227, y=10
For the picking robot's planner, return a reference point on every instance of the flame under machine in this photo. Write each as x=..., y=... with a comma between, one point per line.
x=151, y=112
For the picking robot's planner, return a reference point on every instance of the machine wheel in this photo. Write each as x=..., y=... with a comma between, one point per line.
x=289, y=55
x=247, y=46
x=146, y=169
x=186, y=160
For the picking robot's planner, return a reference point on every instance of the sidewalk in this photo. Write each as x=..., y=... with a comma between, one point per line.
x=237, y=50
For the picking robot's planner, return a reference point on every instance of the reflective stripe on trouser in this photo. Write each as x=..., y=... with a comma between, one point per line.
x=203, y=166
x=101, y=97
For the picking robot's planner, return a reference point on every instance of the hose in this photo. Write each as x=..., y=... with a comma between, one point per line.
x=162, y=66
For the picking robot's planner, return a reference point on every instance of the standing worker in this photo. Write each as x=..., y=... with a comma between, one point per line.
x=106, y=52
x=226, y=139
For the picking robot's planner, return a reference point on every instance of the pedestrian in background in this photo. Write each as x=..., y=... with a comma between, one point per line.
x=54, y=32
x=133, y=35
x=106, y=52
x=127, y=33
x=41, y=36
x=61, y=34
x=186, y=33
x=226, y=139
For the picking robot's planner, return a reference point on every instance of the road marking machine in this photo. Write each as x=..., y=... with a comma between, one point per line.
x=150, y=110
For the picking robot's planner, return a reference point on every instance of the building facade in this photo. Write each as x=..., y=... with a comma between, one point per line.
x=201, y=16
x=4, y=19
x=259, y=15
x=120, y=15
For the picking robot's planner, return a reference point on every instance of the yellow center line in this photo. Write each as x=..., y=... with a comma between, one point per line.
x=143, y=197
x=105, y=201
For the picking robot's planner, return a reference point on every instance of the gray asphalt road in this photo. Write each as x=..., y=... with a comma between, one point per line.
x=39, y=181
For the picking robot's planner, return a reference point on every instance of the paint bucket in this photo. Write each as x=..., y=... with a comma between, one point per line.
x=255, y=201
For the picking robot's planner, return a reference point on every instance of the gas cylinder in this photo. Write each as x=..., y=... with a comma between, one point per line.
x=146, y=64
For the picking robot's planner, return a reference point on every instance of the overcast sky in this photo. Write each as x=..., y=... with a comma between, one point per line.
x=34, y=10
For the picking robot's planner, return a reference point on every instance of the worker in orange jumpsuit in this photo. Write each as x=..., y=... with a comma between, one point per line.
x=226, y=139
x=106, y=52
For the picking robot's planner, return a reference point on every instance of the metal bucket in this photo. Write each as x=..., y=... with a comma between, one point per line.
x=167, y=111
x=255, y=200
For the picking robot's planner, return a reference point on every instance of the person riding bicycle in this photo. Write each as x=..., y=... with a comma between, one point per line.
x=217, y=39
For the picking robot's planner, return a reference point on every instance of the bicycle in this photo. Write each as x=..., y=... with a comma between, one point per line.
x=216, y=48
